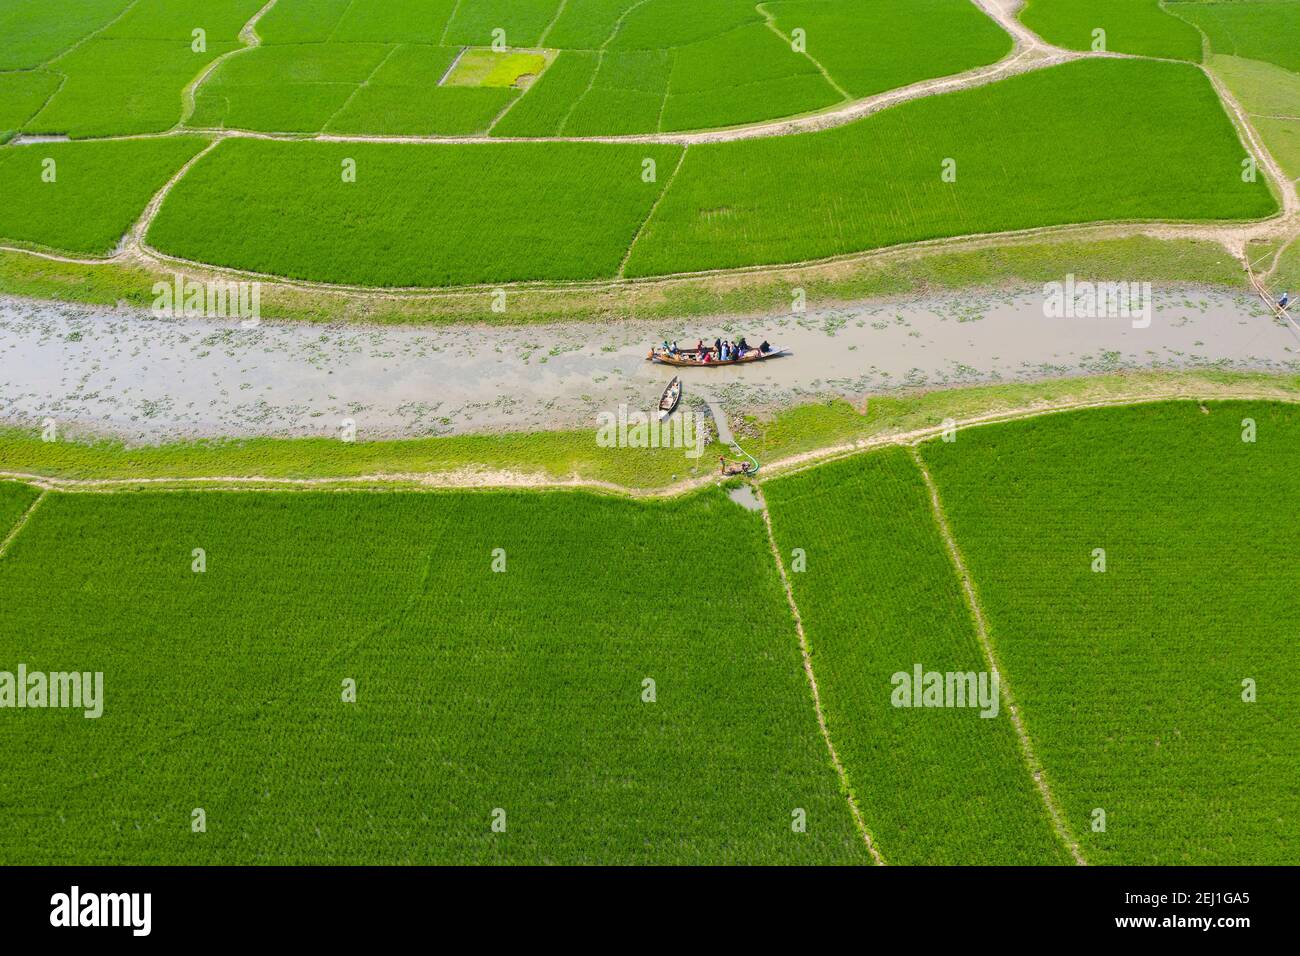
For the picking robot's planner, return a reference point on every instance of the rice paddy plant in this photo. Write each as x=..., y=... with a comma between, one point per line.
x=15, y=499
x=596, y=719
x=33, y=32
x=178, y=19
x=23, y=94
x=386, y=110
x=868, y=47
x=878, y=595
x=664, y=24
x=1137, y=566
x=1144, y=27
x=548, y=102
x=116, y=86
x=639, y=71
x=412, y=21
x=294, y=88
x=83, y=197
x=751, y=103
x=585, y=24
x=306, y=21
x=614, y=112
x=1267, y=30
x=748, y=54
x=415, y=215
x=521, y=22
x=1014, y=159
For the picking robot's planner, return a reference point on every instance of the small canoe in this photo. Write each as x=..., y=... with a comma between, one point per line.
x=692, y=358
x=672, y=395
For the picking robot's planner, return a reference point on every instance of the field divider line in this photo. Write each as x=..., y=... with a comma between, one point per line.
x=21, y=522
x=343, y=16
x=771, y=25
x=654, y=207
x=559, y=12
x=1032, y=763
x=90, y=36
x=806, y=654
x=1254, y=143
x=134, y=238
x=442, y=37
x=460, y=54
x=364, y=84
x=248, y=37
x=63, y=81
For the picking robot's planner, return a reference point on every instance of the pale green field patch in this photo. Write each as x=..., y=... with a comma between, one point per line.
x=477, y=67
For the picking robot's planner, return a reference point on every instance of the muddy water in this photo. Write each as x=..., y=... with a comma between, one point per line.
x=148, y=380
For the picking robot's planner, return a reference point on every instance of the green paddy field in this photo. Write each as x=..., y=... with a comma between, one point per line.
x=501, y=645
x=361, y=143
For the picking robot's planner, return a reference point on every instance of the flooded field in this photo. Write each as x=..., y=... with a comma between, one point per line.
x=147, y=380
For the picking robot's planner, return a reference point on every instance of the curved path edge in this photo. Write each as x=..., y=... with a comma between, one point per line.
x=484, y=477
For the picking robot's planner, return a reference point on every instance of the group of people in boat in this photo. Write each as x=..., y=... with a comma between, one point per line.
x=722, y=350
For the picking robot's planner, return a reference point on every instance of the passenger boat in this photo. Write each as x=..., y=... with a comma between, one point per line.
x=690, y=357
x=672, y=395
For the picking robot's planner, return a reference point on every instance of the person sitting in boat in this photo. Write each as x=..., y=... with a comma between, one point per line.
x=699, y=348
x=764, y=348
x=704, y=357
x=717, y=346
x=675, y=348
x=742, y=346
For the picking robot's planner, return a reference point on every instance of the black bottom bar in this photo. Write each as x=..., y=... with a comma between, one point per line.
x=364, y=905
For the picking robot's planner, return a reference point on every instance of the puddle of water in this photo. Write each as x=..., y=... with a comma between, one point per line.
x=747, y=497
x=147, y=380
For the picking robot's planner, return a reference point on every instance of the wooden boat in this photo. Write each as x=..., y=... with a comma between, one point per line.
x=689, y=357
x=672, y=395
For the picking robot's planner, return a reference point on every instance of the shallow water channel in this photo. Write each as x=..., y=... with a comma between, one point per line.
x=147, y=380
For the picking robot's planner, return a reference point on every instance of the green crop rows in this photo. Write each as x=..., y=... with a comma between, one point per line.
x=1170, y=153
x=1143, y=139
x=1131, y=679
x=1144, y=27
x=525, y=689
x=433, y=215
x=1258, y=30
x=83, y=197
x=15, y=499
x=416, y=215
x=878, y=597
x=476, y=690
